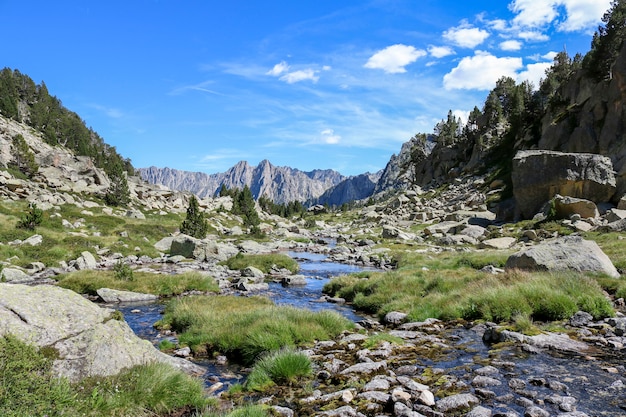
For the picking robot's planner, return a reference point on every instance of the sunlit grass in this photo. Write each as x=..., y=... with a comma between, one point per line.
x=28, y=388
x=88, y=282
x=282, y=367
x=470, y=294
x=247, y=327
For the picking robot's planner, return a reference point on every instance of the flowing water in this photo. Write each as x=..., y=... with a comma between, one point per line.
x=587, y=380
x=142, y=316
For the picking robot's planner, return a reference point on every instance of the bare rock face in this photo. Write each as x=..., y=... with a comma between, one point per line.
x=88, y=339
x=539, y=175
x=571, y=253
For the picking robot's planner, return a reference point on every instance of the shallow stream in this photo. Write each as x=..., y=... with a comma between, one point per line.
x=598, y=391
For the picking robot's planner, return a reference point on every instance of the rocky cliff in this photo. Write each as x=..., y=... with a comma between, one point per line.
x=592, y=119
x=280, y=184
x=355, y=188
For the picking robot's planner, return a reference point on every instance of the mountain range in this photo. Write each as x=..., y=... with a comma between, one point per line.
x=280, y=184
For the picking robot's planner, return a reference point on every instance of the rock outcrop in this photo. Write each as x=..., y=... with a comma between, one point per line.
x=89, y=340
x=539, y=175
x=565, y=254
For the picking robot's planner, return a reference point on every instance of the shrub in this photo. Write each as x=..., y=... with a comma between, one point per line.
x=123, y=271
x=31, y=219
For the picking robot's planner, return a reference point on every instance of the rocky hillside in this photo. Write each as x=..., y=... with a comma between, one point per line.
x=280, y=184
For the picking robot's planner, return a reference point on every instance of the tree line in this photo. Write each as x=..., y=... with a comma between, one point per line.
x=512, y=113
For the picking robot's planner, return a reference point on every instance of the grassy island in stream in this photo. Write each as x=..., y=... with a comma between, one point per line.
x=244, y=328
x=447, y=287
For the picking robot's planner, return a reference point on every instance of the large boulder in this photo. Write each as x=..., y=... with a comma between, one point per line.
x=571, y=253
x=539, y=175
x=88, y=339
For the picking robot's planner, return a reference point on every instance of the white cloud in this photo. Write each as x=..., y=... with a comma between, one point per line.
x=466, y=36
x=440, y=51
x=326, y=68
x=533, y=35
x=394, y=58
x=534, y=73
x=278, y=69
x=550, y=55
x=481, y=71
x=579, y=14
x=511, y=45
x=300, y=75
x=329, y=137
x=583, y=14
x=461, y=114
x=533, y=13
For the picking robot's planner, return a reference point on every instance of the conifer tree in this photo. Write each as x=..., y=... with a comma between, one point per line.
x=194, y=224
x=118, y=193
x=24, y=157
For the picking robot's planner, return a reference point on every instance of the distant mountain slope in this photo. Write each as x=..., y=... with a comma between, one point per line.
x=280, y=184
x=354, y=188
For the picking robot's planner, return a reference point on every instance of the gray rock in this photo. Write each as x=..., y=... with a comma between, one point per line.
x=401, y=410
x=117, y=296
x=479, y=411
x=345, y=411
x=395, y=317
x=88, y=341
x=14, y=275
x=565, y=207
x=164, y=244
x=377, y=384
x=283, y=411
x=365, y=368
x=375, y=396
x=135, y=214
x=580, y=319
x=539, y=175
x=485, y=381
x=293, y=280
x=457, y=402
x=86, y=261
x=535, y=411
x=499, y=243
x=34, y=240
x=254, y=273
x=571, y=253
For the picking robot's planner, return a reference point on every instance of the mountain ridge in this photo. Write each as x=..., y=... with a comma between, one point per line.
x=281, y=184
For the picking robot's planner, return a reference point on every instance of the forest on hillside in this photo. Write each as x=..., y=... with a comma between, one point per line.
x=24, y=101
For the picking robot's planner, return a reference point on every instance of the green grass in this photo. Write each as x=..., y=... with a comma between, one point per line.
x=88, y=282
x=263, y=262
x=247, y=327
x=97, y=231
x=28, y=388
x=284, y=367
x=466, y=293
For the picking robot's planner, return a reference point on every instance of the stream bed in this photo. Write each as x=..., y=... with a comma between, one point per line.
x=599, y=390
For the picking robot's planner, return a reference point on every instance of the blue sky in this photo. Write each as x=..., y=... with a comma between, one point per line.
x=320, y=84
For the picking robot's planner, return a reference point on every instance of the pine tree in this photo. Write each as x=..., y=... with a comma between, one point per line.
x=194, y=224
x=118, y=193
x=607, y=42
x=24, y=157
